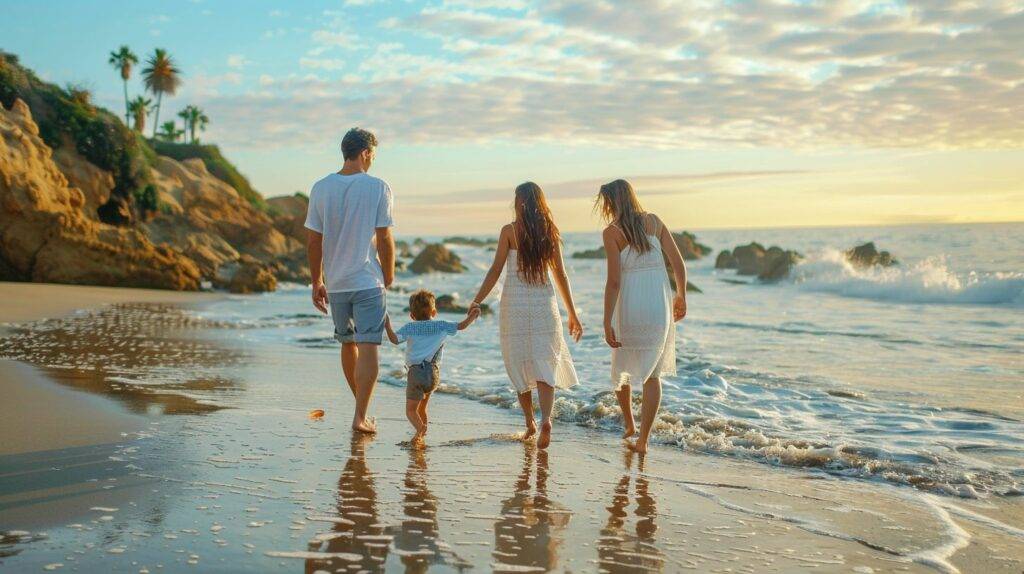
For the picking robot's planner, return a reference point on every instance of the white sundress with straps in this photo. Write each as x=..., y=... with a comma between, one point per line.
x=643, y=318
x=530, y=325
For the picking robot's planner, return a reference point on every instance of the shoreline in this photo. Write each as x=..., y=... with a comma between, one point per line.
x=59, y=416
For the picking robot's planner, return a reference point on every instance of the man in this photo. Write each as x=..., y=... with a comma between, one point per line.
x=352, y=262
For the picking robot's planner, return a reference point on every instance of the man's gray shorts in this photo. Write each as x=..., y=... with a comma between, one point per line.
x=358, y=315
x=422, y=379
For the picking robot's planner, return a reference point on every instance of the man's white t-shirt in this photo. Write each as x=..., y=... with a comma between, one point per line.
x=347, y=210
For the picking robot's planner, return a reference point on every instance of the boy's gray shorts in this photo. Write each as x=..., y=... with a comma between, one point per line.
x=358, y=315
x=422, y=379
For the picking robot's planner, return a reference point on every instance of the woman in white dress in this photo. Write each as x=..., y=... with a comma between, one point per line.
x=532, y=344
x=639, y=308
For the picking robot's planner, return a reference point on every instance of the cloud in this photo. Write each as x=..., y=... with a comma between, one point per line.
x=667, y=74
x=237, y=61
x=667, y=184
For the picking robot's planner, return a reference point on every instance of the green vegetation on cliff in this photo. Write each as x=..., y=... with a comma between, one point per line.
x=66, y=117
x=215, y=163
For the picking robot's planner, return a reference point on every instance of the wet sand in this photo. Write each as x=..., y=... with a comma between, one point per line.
x=254, y=485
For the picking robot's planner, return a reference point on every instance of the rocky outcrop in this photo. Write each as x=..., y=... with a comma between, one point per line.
x=449, y=304
x=868, y=255
x=403, y=250
x=289, y=215
x=252, y=277
x=209, y=221
x=689, y=246
x=45, y=235
x=469, y=241
x=770, y=264
x=436, y=257
x=598, y=253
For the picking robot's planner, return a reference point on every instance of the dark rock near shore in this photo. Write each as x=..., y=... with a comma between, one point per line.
x=689, y=246
x=403, y=249
x=469, y=241
x=868, y=255
x=252, y=277
x=448, y=304
x=725, y=260
x=598, y=253
x=436, y=257
x=771, y=264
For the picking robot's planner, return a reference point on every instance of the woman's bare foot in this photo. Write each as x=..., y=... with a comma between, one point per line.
x=531, y=429
x=545, y=435
x=637, y=446
x=367, y=426
x=630, y=431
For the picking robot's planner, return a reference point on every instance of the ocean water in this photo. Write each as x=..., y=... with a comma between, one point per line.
x=910, y=375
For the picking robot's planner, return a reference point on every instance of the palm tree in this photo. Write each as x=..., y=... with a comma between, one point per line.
x=168, y=131
x=139, y=108
x=160, y=76
x=123, y=59
x=193, y=117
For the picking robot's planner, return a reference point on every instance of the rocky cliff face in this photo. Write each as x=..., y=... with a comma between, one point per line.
x=45, y=234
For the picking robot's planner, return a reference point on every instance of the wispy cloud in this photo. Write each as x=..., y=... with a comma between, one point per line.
x=682, y=74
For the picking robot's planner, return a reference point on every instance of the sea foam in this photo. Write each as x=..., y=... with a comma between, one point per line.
x=928, y=281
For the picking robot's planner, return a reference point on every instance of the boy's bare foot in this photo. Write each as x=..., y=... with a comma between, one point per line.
x=367, y=426
x=630, y=430
x=637, y=446
x=545, y=435
x=531, y=429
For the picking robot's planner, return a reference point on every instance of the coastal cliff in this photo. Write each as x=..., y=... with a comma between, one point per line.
x=85, y=200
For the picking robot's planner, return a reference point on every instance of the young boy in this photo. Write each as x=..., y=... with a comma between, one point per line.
x=425, y=337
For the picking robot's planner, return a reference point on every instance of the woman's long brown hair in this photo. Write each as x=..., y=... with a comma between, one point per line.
x=618, y=204
x=536, y=233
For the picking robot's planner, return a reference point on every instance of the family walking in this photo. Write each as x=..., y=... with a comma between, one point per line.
x=351, y=260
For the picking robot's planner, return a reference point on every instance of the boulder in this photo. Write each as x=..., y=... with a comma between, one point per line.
x=777, y=264
x=289, y=216
x=867, y=255
x=402, y=249
x=689, y=246
x=436, y=257
x=252, y=277
x=725, y=260
x=45, y=235
x=749, y=258
x=449, y=304
x=470, y=241
x=598, y=253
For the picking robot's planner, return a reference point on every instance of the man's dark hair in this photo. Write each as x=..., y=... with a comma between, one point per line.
x=355, y=141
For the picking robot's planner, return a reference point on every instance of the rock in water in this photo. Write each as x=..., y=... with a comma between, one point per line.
x=598, y=253
x=868, y=255
x=725, y=260
x=689, y=246
x=45, y=235
x=777, y=264
x=749, y=258
x=448, y=304
x=436, y=257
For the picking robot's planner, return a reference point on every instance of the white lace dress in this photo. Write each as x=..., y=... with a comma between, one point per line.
x=532, y=342
x=643, y=318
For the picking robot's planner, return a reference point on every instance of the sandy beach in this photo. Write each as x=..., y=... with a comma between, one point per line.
x=231, y=475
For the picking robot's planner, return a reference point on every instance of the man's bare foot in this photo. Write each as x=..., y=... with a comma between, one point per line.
x=637, y=446
x=545, y=435
x=418, y=442
x=367, y=426
x=630, y=430
x=531, y=429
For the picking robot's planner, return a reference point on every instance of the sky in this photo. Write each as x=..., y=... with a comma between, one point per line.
x=724, y=113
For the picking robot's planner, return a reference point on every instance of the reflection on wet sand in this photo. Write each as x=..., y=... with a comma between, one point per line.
x=619, y=550
x=529, y=533
x=357, y=530
x=143, y=355
x=416, y=539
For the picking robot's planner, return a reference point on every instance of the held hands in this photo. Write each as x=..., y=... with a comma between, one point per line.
x=320, y=297
x=575, y=327
x=679, y=307
x=473, y=314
